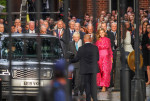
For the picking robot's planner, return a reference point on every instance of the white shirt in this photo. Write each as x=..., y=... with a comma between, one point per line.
x=79, y=43
x=60, y=31
x=71, y=30
x=91, y=35
x=31, y=31
x=87, y=42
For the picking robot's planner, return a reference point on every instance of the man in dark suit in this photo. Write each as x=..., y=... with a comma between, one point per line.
x=88, y=56
x=77, y=29
x=48, y=31
x=62, y=34
x=90, y=32
x=73, y=47
x=110, y=35
x=114, y=49
x=71, y=29
x=31, y=28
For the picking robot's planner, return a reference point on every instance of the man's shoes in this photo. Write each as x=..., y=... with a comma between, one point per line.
x=75, y=94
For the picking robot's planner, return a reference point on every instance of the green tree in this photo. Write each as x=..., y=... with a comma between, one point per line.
x=3, y=2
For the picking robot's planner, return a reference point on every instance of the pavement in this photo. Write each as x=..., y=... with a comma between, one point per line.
x=111, y=95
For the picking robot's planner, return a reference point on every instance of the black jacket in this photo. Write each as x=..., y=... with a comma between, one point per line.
x=88, y=55
x=72, y=48
x=111, y=36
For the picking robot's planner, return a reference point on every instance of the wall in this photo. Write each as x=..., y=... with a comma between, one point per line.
x=100, y=5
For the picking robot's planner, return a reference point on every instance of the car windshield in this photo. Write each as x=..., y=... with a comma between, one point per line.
x=28, y=48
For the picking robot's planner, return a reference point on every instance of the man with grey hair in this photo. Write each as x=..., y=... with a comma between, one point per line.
x=77, y=29
x=31, y=27
x=60, y=32
x=73, y=47
x=90, y=32
x=48, y=30
x=109, y=34
x=71, y=29
x=114, y=32
x=17, y=25
x=43, y=29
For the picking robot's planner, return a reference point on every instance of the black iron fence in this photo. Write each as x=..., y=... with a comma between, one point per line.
x=32, y=74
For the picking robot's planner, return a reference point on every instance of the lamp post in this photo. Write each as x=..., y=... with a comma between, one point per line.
x=125, y=82
x=118, y=64
x=137, y=84
x=65, y=18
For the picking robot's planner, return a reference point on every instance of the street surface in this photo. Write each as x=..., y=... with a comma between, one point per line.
x=112, y=96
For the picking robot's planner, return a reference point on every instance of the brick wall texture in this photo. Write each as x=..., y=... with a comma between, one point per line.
x=104, y=5
x=144, y=4
x=100, y=5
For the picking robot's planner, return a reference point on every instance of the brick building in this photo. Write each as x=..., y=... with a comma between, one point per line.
x=80, y=7
x=83, y=6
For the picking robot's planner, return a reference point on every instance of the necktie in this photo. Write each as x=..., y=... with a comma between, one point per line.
x=59, y=33
x=76, y=46
x=72, y=32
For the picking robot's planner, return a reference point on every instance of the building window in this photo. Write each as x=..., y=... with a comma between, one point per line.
x=114, y=4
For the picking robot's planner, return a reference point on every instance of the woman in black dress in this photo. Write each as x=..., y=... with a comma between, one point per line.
x=146, y=51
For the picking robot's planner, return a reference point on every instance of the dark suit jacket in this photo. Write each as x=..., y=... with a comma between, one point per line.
x=69, y=35
x=72, y=49
x=88, y=55
x=64, y=40
x=112, y=38
x=82, y=35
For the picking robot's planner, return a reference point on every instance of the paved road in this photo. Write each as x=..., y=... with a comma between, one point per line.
x=113, y=96
x=102, y=96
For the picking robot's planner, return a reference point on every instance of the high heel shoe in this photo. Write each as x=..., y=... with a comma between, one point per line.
x=103, y=89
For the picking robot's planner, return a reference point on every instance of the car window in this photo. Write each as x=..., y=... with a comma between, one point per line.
x=28, y=48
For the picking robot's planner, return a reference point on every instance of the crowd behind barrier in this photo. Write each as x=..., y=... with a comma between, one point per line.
x=107, y=22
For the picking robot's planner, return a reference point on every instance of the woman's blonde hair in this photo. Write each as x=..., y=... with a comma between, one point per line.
x=98, y=33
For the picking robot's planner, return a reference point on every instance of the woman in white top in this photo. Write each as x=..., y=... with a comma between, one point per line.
x=127, y=42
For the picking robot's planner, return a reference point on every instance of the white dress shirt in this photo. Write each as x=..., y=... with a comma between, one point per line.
x=31, y=31
x=79, y=43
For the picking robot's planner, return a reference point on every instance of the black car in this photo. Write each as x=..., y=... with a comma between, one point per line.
x=27, y=62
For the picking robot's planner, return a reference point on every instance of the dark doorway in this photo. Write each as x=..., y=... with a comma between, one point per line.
x=129, y=3
x=78, y=8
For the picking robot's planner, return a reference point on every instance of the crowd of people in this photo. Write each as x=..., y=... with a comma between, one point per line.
x=105, y=39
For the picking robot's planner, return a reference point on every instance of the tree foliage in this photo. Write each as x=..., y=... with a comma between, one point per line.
x=3, y=2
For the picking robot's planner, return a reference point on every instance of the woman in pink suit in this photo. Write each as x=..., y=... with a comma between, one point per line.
x=105, y=59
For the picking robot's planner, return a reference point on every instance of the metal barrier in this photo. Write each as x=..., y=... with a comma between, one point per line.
x=38, y=82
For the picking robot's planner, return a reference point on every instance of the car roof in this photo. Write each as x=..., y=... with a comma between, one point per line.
x=28, y=35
